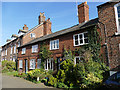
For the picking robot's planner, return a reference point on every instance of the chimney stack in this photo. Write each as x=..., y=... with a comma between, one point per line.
x=41, y=17
x=25, y=27
x=83, y=12
x=8, y=40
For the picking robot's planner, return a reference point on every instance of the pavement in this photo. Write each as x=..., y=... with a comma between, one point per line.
x=16, y=82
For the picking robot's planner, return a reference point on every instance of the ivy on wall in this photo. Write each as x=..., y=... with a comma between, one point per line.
x=44, y=54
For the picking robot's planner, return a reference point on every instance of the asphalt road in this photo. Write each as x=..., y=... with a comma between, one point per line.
x=16, y=82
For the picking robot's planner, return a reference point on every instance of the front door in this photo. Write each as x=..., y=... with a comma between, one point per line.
x=26, y=66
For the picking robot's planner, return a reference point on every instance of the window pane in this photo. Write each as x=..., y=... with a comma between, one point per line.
x=46, y=65
x=38, y=63
x=86, y=40
x=85, y=35
x=77, y=60
x=81, y=41
x=51, y=64
x=76, y=37
x=76, y=42
x=80, y=36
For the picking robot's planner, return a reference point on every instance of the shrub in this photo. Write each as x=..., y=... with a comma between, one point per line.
x=61, y=85
x=8, y=66
x=52, y=81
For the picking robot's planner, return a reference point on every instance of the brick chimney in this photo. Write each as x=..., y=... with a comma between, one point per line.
x=8, y=40
x=83, y=12
x=41, y=17
x=47, y=27
x=25, y=27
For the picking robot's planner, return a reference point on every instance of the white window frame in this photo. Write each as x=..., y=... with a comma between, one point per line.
x=35, y=48
x=75, y=59
x=83, y=38
x=15, y=49
x=23, y=50
x=54, y=45
x=32, y=35
x=32, y=62
x=51, y=68
x=20, y=63
x=116, y=16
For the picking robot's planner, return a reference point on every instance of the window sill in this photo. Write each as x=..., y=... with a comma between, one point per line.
x=34, y=52
x=81, y=44
x=31, y=68
x=54, y=49
x=117, y=33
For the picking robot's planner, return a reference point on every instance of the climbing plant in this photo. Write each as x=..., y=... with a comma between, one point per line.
x=44, y=53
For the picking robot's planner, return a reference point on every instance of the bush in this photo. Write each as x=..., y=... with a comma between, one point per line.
x=62, y=85
x=8, y=66
x=52, y=81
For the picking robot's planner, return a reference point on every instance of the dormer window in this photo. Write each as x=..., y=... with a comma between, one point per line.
x=117, y=15
x=32, y=35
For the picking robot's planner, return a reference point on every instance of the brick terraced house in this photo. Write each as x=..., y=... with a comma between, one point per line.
x=108, y=26
x=9, y=50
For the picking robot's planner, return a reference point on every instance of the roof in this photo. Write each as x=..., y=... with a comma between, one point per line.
x=64, y=31
x=24, y=31
x=108, y=2
x=14, y=35
x=24, y=34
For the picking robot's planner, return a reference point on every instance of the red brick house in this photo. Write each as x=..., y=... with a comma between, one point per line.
x=9, y=50
x=76, y=36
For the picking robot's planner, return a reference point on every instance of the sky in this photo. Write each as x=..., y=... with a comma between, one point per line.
x=61, y=14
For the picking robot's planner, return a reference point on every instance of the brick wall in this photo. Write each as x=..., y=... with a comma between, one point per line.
x=106, y=15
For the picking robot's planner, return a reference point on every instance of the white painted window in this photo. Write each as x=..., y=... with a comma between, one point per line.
x=32, y=64
x=23, y=50
x=80, y=39
x=19, y=44
x=38, y=63
x=54, y=44
x=49, y=64
x=15, y=49
x=32, y=35
x=20, y=63
x=117, y=15
x=11, y=49
x=34, y=48
x=77, y=60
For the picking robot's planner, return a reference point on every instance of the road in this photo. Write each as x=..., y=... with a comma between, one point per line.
x=16, y=82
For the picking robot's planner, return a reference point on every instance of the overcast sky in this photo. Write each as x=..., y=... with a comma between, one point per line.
x=61, y=14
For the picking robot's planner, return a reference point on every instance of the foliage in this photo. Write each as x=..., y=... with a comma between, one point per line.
x=52, y=81
x=33, y=74
x=21, y=75
x=68, y=54
x=61, y=85
x=87, y=74
x=44, y=54
x=12, y=73
x=8, y=66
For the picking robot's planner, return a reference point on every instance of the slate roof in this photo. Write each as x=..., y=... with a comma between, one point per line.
x=24, y=31
x=14, y=35
x=108, y=2
x=64, y=31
